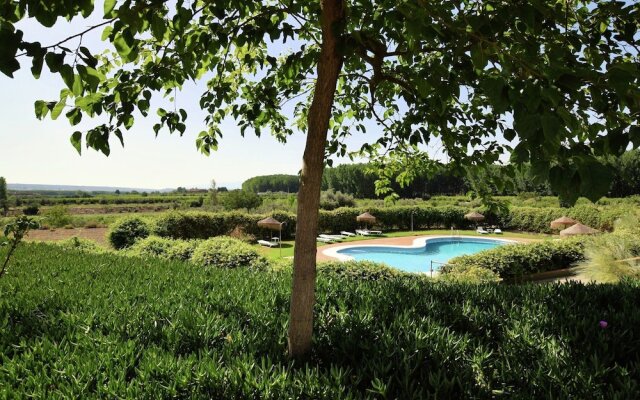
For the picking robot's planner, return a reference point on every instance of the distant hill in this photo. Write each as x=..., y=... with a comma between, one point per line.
x=73, y=188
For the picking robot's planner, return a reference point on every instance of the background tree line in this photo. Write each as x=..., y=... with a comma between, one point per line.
x=358, y=181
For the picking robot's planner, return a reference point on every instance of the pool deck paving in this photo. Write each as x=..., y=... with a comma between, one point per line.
x=406, y=241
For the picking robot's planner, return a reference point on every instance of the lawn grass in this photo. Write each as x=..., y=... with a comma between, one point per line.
x=275, y=253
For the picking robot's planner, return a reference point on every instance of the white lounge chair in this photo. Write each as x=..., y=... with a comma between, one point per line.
x=497, y=231
x=324, y=240
x=345, y=233
x=481, y=231
x=332, y=237
x=266, y=243
x=377, y=233
x=362, y=232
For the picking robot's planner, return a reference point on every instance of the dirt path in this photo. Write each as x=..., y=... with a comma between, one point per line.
x=97, y=234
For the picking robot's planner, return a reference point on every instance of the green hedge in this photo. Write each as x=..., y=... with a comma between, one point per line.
x=203, y=225
x=536, y=219
x=226, y=252
x=512, y=261
x=171, y=249
x=103, y=326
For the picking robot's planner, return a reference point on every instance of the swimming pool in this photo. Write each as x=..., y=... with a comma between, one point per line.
x=416, y=258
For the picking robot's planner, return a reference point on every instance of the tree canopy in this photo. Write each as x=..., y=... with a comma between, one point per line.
x=272, y=183
x=566, y=73
x=554, y=84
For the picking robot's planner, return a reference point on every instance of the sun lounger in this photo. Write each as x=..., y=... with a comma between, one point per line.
x=481, y=231
x=332, y=237
x=265, y=243
x=324, y=240
x=377, y=233
x=497, y=231
x=362, y=232
x=345, y=233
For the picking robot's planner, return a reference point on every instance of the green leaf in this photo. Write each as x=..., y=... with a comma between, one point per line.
x=41, y=109
x=54, y=61
x=66, y=72
x=77, y=86
x=109, y=5
x=121, y=46
x=595, y=179
x=106, y=33
x=76, y=141
x=74, y=116
x=550, y=127
x=478, y=56
x=57, y=109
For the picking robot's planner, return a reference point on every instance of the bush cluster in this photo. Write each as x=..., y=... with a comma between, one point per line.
x=171, y=249
x=538, y=219
x=360, y=270
x=126, y=231
x=95, y=326
x=226, y=252
x=513, y=261
x=203, y=225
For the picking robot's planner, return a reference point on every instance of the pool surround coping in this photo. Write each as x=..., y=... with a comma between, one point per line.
x=417, y=243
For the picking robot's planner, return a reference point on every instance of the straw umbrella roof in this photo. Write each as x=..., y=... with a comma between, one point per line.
x=562, y=222
x=474, y=216
x=365, y=217
x=270, y=223
x=578, y=229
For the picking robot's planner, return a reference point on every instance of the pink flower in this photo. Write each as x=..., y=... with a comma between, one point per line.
x=603, y=324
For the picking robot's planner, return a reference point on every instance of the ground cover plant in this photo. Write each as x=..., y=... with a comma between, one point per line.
x=515, y=260
x=90, y=326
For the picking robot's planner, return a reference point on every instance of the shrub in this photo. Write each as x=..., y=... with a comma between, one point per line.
x=77, y=243
x=237, y=199
x=359, y=270
x=330, y=199
x=464, y=273
x=189, y=225
x=126, y=231
x=32, y=209
x=514, y=260
x=610, y=258
x=171, y=249
x=58, y=216
x=227, y=252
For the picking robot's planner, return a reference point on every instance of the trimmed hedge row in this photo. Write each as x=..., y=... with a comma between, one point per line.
x=512, y=261
x=221, y=252
x=203, y=225
x=536, y=219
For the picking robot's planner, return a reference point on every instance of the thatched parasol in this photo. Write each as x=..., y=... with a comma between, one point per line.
x=562, y=222
x=474, y=216
x=578, y=229
x=270, y=223
x=273, y=224
x=366, y=218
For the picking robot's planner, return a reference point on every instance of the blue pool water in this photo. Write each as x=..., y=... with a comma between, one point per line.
x=418, y=259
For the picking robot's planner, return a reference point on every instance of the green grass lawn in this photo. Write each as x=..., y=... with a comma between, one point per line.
x=275, y=253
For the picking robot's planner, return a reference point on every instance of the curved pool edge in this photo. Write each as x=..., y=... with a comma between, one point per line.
x=418, y=242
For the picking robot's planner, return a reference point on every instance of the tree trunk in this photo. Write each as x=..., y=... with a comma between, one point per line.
x=304, y=259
